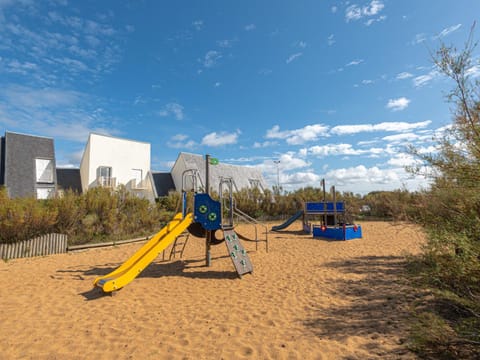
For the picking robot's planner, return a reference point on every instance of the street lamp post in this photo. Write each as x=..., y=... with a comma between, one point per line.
x=277, y=162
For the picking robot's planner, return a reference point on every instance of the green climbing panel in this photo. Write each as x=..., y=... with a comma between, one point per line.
x=238, y=254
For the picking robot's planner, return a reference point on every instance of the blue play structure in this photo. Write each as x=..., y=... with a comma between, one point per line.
x=333, y=223
x=325, y=219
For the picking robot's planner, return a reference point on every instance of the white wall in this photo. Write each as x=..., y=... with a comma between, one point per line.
x=122, y=155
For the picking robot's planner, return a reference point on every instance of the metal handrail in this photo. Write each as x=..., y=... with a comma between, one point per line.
x=254, y=222
x=233, y=210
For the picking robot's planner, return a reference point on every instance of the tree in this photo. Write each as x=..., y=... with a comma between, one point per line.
x=451, y=208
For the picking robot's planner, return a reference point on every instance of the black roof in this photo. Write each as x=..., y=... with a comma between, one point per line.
x=69, y=179
x=163, y=183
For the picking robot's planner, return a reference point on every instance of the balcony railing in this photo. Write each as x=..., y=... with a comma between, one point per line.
x=106, y=181
x=138, y=185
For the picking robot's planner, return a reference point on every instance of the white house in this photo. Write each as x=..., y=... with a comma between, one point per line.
x=110, y=161
x=243, y=177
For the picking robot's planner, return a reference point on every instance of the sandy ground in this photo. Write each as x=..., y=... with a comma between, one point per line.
x=307, y=299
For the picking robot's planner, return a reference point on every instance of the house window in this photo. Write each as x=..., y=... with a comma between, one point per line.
x=44, y=193
x=44, y=170
x=104, y=171
x=104, y=176
x=254, y=183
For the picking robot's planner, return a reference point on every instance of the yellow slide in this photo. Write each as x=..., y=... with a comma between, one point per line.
x=130, y=269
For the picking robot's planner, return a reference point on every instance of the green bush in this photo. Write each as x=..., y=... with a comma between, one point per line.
x=99, y=214
x=25, y=218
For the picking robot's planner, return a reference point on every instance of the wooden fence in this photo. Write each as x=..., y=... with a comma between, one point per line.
x=42, y=245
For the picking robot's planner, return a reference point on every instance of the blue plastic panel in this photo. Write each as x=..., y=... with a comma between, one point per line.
x=324, y=207
x=348, y=232
x=352, y=232
x=207, y=212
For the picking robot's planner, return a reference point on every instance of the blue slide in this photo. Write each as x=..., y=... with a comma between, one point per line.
x=287, y=223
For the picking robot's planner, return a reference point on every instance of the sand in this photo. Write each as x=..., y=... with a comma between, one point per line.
x=307, y=299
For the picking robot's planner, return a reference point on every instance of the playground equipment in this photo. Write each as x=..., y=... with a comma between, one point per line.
x=205, y=219
x=289, y=221
x=333, y=220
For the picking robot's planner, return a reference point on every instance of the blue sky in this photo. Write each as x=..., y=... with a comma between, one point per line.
x=332, y=89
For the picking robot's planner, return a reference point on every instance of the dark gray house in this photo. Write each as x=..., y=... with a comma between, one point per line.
x=162, y=183
x=27, y=165
x=69, y=179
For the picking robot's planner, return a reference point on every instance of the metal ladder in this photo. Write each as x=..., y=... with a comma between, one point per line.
x=179, y=245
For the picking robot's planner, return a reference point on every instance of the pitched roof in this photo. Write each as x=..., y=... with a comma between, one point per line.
x=244, y=177
x=69, y=179
x=163, y=183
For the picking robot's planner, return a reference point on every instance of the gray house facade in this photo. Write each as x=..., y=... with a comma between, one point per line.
x=28, y=165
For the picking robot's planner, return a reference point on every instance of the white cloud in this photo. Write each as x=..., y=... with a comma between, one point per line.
x=17, y=67
x=181, y=141
x=259, y=145
x=211, y=58
x=385, y=126
x=58, y=113
x=217, y=84
x=379, y=19
x=404, y=75
x=351, y=129
x=227, y=43
x=298, y=136
x=448, y=31
x=198, y=25
x=174, y=109
x=343, y=150
x=401, y=138
x=215, y=139
x=302, y=44
x=300, y=178
x=473, y=71
x=419, y=38
x=293, y=57
x=289, y=162
x=422, y=80
x=334, y=150
x=431, y=149
x=361, y=173
x=69, y=160
x=398, y=104
x=250, y=27
x=331, y=40
x=355, y=12
x=403, y=160
x=35, y=98
x=355, y=62
x=265, y=71
x=77, y=48
x=333, y=9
